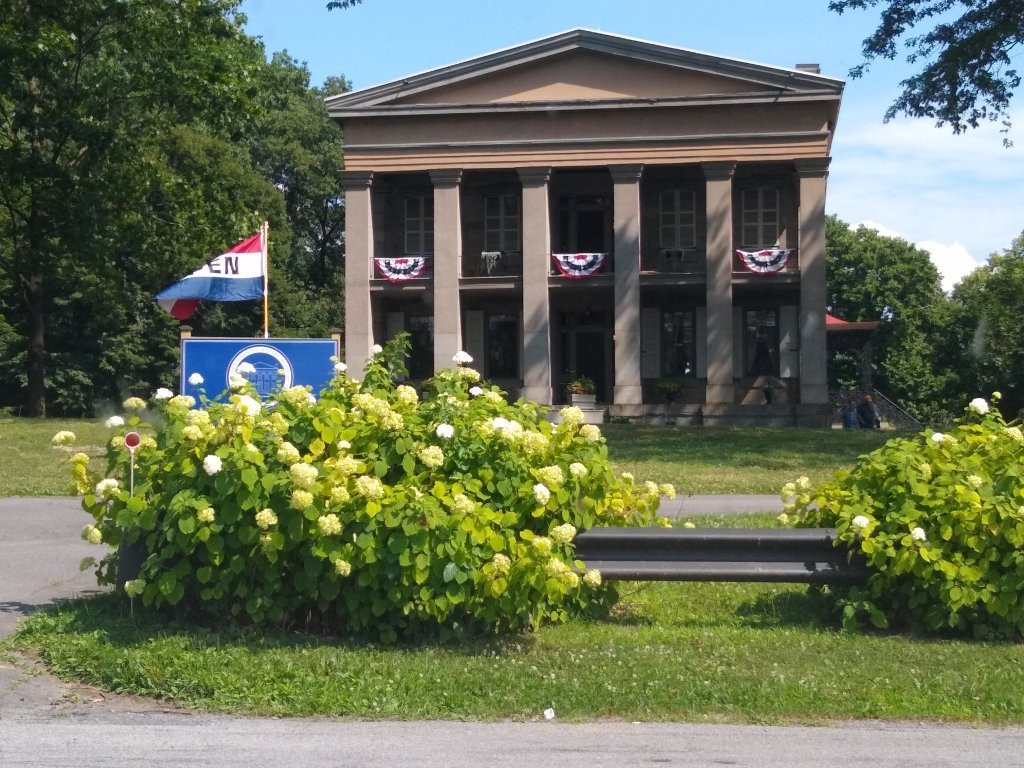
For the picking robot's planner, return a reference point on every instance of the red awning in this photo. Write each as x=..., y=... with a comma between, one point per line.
x=833, y=323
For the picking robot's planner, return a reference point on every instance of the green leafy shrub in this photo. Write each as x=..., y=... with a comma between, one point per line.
x=940, y=518
x=371, y=509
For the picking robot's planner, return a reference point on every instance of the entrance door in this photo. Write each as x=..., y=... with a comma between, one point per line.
x=585, y=341
x=590, y=359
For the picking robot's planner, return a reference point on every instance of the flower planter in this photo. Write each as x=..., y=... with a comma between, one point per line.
x=583, y=400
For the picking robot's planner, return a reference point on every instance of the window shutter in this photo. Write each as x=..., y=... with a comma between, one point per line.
x=701, y=331
x=473, y=335
x=650, y=343
x=789, y=342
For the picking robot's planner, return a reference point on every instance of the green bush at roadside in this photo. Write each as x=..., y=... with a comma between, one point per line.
x=373, y=509
x=940, y=519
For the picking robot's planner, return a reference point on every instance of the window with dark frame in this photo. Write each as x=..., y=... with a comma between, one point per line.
x=760, y=216
x=502, y=223
x=761, y=342
x=678, y=343
x=677, y=219
x=502, y=339
x=419, y=225
x=421, y=351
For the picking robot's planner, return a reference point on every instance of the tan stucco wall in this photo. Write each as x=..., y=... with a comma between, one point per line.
x=582, y=75
x=742, y=132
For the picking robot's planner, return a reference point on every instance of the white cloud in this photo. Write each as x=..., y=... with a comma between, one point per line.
x=930, y=184
x=952, y=260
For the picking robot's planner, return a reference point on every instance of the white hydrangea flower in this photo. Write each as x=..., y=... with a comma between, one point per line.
x=501, y=563
x=106, y=488
x=249, y=405
x=1015, y=433
x=212, y=464
x=329, y=524
x=476, y=391
x=134, y=404
x=340, y=367
x=92, y=534
x=266, y=518
x=860, y=521
x=551, y=476
x=303, y=475
x=563, y=534
x=974, y=480
x=64, y=437
x=342, y=567
x=376, y=349
x=592, y=578
x=344, y=445
x=576, y=469
x=134, y=587
x=445, y=431
x=237, y=381
x=667, y=490
x=246, y=367
x=541, y=493
x=206, y=515
x=590, y=432
x=918, y=534
x=196, y=379
x=462, y=358
x=937, y=437
x=163, y=394
x=114, y=421
x=979, y=406
x=181, y=401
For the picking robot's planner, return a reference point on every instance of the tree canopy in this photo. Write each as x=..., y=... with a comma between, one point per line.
x=965, y=51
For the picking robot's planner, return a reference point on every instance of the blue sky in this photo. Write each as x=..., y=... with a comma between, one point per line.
x=959, y=197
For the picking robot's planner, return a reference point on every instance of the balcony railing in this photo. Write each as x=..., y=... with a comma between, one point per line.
x=674, y=261
x=492, y=264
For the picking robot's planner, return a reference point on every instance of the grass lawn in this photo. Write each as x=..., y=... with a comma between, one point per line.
x=672, y=652
x=734, y=459
x=696, y=460
x=31, y=466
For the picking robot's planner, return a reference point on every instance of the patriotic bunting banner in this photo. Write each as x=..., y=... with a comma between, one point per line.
x=405, y=268
x=768, y=260
x=237, y=275
x=576, y=265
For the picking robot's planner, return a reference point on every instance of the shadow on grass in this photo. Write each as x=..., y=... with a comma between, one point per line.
x=776, y=610
x=110, y=617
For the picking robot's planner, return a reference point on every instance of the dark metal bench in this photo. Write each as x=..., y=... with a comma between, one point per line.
x=802, y=555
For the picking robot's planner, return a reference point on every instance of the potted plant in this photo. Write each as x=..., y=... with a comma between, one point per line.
x=581, y=391
x=669, y=388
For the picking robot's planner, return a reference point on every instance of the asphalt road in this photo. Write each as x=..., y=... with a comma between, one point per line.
x=45, y=722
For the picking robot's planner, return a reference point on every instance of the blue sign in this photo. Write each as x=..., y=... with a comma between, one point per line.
x=268, y=364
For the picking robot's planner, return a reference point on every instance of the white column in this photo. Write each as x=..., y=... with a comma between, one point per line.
x=628, y=398
x=719, y=261
x=813, y=358
x=447, y=254
x=536, y=261
x=358, y=269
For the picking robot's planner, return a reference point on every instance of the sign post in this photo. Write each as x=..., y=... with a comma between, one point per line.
x=132, y=440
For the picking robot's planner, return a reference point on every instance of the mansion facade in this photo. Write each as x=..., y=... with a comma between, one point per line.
x=594, y=205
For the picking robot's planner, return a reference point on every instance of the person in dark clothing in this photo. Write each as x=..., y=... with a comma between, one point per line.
x=867, y=416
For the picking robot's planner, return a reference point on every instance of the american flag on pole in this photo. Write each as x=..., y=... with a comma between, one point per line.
x=239, y=274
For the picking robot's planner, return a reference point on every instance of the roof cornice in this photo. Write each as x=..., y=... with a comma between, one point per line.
x=783, y=79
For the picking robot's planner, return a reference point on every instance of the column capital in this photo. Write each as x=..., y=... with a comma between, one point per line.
x=718, y=171
x=356, y=179
x=812, y=167
x=534, y=176
x=625, y=172
x=446, y=177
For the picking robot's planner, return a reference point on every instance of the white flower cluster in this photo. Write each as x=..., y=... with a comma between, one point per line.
x=550, y=476
x=195, y=379
x=541, y=493
x=64, y=437
x=92, y=534
x=183, y=402
x=462, y=358
x=206, y=515
x=212, y=464
x=542, y=544
x=163, y=393
x=266, y=518
x=979, y=406
x=134, y=404
x=407, y=395
x=576, y=469
x=431, y=456
x=501, y=563
x=860, y=522
x=592, y=578
x=445, y=431
x=328, y=525
x=590, y=432
x=370, y=487
x=342, y=567
x=288, y=453
x=462, y=504
x=918, y=534
x=248, y=405
x=340, y=367
x=301, y=499
x=113, y=422
x=563, y=534
x=475, y=391
x=106, y=489
x=303, y=475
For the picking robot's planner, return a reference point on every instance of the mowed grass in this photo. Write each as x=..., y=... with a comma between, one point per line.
x=31, y=466
x=696, y=460
x=669, y=652
x=736, y=459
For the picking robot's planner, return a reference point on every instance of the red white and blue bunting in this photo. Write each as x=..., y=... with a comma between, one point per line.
x=768, y=260
x=577, y=265
x=400, y=269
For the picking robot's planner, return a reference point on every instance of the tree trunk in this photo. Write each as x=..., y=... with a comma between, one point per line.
x=36, y=359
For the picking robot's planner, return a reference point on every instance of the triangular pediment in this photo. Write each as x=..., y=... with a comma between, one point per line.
x=583, y=65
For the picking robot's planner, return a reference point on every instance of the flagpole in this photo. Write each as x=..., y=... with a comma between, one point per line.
x=266, y=270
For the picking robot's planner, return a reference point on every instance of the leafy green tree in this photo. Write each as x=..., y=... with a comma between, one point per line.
x=874, y=277
x=966, y=61
x=988, y=330
x=83, y=83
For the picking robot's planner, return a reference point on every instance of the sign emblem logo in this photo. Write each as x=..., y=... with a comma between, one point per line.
x=273, y=369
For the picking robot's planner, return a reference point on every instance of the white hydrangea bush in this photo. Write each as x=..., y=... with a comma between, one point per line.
x=375, y=508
